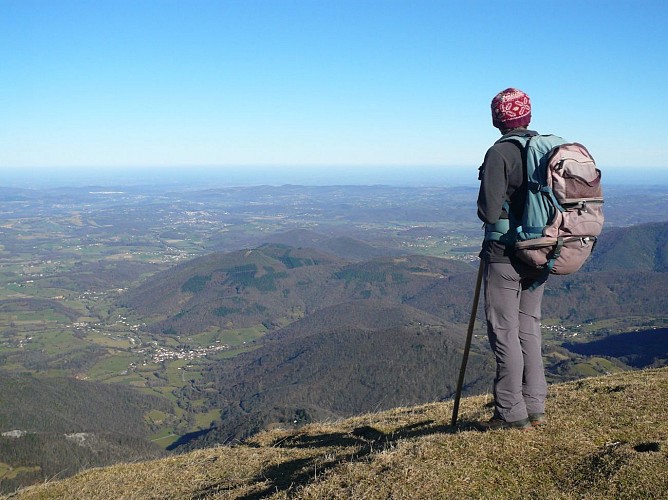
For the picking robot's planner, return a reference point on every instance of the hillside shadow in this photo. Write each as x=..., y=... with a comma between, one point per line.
x=361, y=442
x=637, y=349
x=186, y=438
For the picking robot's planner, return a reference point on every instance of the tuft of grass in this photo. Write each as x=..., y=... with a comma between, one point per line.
x=606, y=437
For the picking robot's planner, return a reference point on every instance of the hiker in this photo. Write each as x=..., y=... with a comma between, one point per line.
x=512, y=304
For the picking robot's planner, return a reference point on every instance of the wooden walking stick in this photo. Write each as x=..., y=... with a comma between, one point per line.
x=467, y=345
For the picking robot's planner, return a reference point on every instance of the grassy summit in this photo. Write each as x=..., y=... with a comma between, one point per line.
x=607, y=437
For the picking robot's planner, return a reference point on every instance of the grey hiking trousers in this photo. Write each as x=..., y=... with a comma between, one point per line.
x=513, y=328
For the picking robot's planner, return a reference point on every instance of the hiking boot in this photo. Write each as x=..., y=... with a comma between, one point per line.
x=496, y=423
x=537, y=419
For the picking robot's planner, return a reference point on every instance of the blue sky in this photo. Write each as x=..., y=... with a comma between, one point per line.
x=154, y=83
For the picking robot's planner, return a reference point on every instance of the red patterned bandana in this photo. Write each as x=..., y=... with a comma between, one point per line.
x=511, y=108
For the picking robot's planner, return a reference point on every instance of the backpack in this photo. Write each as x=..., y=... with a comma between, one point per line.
x=563, y=214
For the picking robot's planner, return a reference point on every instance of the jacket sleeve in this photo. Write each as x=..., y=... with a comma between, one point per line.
x=493, y=187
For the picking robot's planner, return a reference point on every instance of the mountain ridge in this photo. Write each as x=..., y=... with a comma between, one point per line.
x=595, y=444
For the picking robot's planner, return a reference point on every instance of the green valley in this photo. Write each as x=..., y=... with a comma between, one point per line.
x=222, y=312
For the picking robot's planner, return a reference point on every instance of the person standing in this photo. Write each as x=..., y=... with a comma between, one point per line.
x=512, y=294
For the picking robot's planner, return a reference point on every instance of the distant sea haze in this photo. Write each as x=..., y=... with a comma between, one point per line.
x=228, y=176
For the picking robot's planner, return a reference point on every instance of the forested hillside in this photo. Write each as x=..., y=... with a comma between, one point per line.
x=274, y=285
x=643, y=247
x=344, y=337
x=56, y=427
x=340, y=361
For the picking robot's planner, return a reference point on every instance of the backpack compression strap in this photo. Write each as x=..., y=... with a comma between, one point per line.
x=554, y=255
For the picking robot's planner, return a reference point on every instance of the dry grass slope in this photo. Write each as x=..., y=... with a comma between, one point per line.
x=606, y=438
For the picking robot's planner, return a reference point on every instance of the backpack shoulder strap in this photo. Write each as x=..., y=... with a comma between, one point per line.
x=521, y=139
x=536, y=155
